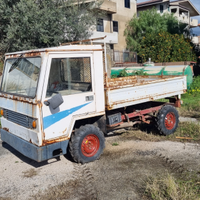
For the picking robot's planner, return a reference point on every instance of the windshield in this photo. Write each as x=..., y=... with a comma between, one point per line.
x=21, y=76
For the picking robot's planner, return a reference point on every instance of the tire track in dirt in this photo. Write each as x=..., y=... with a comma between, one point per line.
x=86, y=186
x=173, y=165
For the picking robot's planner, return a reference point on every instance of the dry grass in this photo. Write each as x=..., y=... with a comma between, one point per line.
x=148, y=132
x=5, y=198
x=167, y=187
x=187, y=129
x=30, y=173
x=184, y=112
x=61, y=191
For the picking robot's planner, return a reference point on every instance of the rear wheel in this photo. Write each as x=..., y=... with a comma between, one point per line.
x=167, y=120
x=86, y=144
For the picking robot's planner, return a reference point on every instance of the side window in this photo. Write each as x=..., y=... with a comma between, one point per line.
x=161, y=8
x=69, y=76
x=115, y=26
x=127, y=3
x=100, y=26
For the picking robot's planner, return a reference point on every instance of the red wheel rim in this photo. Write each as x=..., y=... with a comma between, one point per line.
x=90, y=145
x=170, y=121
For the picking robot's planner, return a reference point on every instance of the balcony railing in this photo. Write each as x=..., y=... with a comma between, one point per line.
x=111, y=38
x=194, y=22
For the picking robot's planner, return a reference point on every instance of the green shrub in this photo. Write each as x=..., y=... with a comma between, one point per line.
x=1, y=66
x=166, y=47
x=123, y=73
x=191, y=100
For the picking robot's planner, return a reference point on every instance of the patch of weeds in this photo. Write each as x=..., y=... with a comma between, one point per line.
x=1, y=66
x=169, y=187
x=123, y=73
x=114, y=76
x=139, y=73
x=191, y=100
x=187, y=129
x=185, y=112
x=30, y=173
x=115, y=144
x=16, y=161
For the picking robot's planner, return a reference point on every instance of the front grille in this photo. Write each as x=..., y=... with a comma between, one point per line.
x=18, y=118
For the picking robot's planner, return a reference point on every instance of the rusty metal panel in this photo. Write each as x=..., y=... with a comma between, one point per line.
x=128, y=91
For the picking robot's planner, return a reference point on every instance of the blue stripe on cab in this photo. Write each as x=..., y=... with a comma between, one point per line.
x=52, y=119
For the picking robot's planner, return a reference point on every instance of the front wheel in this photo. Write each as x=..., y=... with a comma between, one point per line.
x=86, y=144
x=167, y=120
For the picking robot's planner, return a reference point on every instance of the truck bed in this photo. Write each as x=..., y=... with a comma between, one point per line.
x=126, y=91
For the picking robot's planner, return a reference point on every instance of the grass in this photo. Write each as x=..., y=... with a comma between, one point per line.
x=168, y=187
x=115, y=144
x=1, y=65
x=187, y=129
x=191, y=100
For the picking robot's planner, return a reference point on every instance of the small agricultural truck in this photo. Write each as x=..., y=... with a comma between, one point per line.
x=61, y=99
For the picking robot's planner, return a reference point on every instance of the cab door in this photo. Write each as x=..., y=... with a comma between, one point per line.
x=72, y=77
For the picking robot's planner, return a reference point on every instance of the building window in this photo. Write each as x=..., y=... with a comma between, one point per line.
x=127, y=3
x=100, y=25
x=161, y=8
x=115, y=26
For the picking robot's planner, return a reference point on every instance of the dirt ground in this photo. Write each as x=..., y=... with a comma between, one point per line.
x=120, y=173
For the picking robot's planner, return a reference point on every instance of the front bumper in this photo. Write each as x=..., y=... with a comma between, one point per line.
x=32, y=151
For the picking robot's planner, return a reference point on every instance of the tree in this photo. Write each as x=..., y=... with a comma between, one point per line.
x=30, y=24
x=166, y=47
x=151, y=22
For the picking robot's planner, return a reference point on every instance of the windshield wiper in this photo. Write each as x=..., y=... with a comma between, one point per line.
x=15, y=64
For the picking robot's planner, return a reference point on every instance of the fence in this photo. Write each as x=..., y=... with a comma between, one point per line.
x=126, y=56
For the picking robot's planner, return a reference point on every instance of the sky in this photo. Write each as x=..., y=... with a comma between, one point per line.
x=196, y=4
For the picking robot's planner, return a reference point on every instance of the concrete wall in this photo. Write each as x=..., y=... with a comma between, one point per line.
x=120, y=14
x=123, y=15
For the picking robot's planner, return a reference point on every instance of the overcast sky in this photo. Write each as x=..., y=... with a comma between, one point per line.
x=196, y=4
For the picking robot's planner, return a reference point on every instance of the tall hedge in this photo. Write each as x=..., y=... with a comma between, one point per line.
x=160, y=37
x=166, y=47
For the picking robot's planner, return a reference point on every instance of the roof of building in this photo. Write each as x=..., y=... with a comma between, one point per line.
x=188, y=4
x=183, y=3
x=146, y=3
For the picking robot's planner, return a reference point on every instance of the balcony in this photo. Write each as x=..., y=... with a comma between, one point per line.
x=193, y=22
x=184, y=19
x=111, y=38
x=109, y=7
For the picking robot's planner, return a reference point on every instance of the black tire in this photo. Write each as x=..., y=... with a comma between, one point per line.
x=86, y=144
x=167, y=120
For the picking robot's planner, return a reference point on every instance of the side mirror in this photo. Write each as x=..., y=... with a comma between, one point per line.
x=55, y=101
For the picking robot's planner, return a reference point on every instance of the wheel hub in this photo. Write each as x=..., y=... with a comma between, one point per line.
x=170, y=121
x=90, y=145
